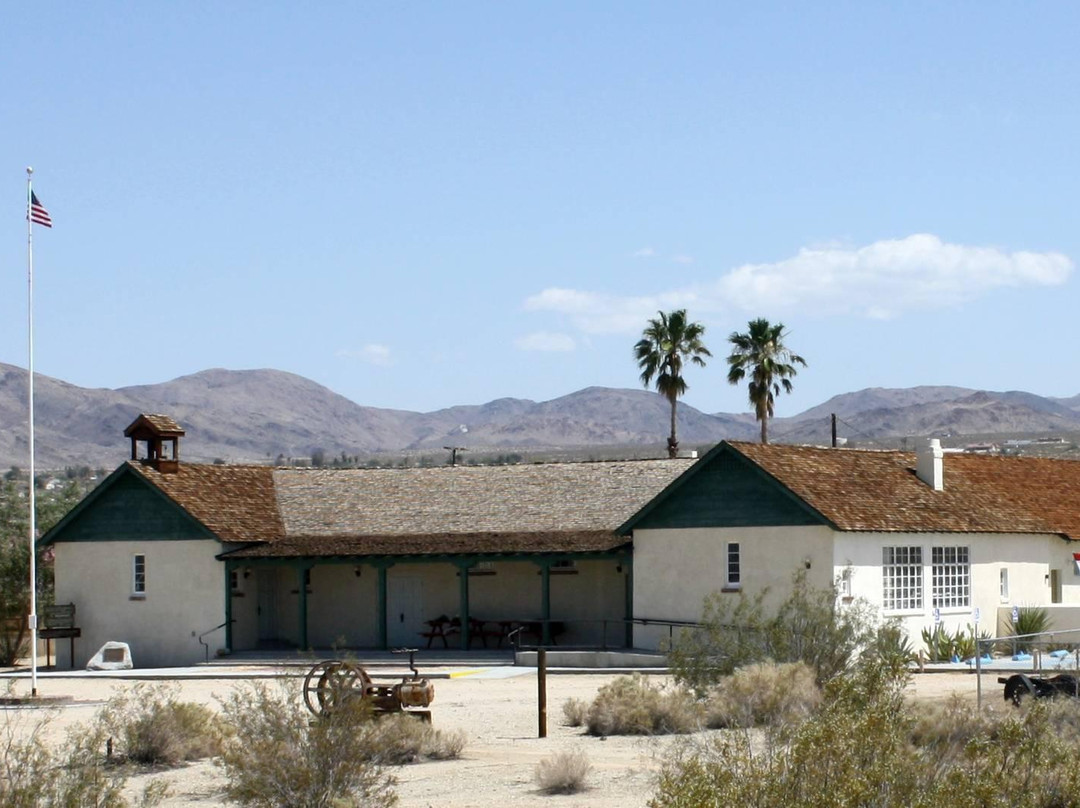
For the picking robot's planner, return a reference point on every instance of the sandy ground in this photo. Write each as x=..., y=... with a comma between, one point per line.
x=499, y=718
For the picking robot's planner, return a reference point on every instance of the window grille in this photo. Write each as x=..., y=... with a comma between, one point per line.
x=902, y=578
x=951, y=577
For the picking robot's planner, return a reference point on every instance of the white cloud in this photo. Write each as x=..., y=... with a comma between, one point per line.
x=597, y=313
x=545, y=341
x=372, y=353
x=682, y=259
x=880, y=281
x=644, y=252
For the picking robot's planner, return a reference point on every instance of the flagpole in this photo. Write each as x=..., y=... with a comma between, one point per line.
x=33, y=509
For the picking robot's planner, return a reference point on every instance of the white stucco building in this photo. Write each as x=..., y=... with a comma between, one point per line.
x=185, y=560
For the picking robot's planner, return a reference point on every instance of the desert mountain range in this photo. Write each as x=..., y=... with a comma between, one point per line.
x=259, y=415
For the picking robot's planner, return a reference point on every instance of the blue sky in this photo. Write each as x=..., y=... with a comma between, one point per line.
x=434, y=204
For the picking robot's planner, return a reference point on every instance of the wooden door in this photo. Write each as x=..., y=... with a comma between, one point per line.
x=404, y=612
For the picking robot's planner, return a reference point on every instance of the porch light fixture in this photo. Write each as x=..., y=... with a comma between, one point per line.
x=356, y=571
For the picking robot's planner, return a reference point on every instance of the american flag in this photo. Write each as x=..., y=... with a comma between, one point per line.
x=38, y=214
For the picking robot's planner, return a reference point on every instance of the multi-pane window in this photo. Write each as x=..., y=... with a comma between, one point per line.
x=138, y=575
x=950, y=577
x=734, y=567
x=1003, y=583
x=902, y=578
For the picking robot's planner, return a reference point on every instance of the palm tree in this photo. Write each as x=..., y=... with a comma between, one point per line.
x=761, y=354
x=665, y=344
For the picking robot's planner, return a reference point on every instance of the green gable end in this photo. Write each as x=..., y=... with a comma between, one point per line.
x=128, y=508
x=727, y=491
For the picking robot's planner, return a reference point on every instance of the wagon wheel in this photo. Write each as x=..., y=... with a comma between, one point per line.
x=329, y=685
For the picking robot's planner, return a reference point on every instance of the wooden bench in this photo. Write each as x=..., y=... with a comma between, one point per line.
x=58, y=622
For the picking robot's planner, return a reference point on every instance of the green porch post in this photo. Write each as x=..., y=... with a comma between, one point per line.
x=463, y=604
x=380, y=607
x=229, y=567
x=628, y=566
x=302, y=574
x=545, y=601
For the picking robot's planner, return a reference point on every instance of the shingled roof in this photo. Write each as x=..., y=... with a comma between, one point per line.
x=236, y=503
x=551, y=508
x=860, y=490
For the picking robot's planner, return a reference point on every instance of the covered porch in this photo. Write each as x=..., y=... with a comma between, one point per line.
x=469, y=601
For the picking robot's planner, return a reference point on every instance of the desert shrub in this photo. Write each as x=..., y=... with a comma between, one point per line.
x=575, y=712
x=861, y=747
x=563, y=772
x=892, y=648
x=632, y=705
x=810, y=625
x=151, y=726
x=398, y=739
x=34, y=774
x=947, y=728
x=275, y=754
x=1029, y=620
x=764, y=695
x=853, y=750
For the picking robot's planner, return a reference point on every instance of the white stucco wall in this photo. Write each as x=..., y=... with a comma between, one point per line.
x=1028, y=559
x=185, y=596
x=675, y=569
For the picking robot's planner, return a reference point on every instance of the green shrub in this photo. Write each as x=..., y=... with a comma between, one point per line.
x=71, y=774
x=563, y=773
x=150, y=726
x=892, y=648
x=277, y=755
x=810, y=626
x=863, y=748
x=764, y=695
x=631, y=705
x=1030, y=620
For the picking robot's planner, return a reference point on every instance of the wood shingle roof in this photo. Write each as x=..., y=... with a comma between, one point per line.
x=556, y=507
x=860, y=490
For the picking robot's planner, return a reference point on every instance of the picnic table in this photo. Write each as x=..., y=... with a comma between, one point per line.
x=442, y=627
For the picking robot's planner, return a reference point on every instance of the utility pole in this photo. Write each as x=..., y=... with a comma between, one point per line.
x=453, y=450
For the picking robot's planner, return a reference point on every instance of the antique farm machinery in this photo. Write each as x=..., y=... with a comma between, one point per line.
x=331, y=684
x=1020, y=686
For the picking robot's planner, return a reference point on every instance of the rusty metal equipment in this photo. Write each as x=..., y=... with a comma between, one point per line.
x=1020, y=686
x=331, y=684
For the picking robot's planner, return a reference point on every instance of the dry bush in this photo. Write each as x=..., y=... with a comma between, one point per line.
x=631, y=705
x=401, y=738
x=947, y=728
x=576, y=712
x=150, y=726
x=277, y=755
x=563, y=772
x=72, y=774
x=764, y=695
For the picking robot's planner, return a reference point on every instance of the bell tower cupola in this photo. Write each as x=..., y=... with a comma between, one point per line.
x=155, y=441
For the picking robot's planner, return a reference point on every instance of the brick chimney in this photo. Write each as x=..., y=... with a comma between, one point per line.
x=155, y=441
x=929, y=466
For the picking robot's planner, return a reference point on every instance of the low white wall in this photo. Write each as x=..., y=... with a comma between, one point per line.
x=185, y=596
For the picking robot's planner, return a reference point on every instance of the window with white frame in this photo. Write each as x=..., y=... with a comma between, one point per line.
x=733, y=577
x=1003, y=583
x=845, y=583
x=138, y=574
x=950, y=577
x=902, y=578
